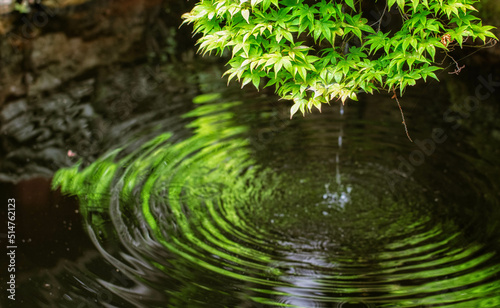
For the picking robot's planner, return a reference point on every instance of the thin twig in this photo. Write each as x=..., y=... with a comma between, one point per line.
x=402, y=115
x=458, y=69
x=381, y=17
x=493, y=42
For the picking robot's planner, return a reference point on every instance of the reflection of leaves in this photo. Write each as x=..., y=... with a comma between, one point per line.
x=188, y=173
x=204, y=191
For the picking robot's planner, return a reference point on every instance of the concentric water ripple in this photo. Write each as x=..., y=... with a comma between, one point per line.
x=240, y=215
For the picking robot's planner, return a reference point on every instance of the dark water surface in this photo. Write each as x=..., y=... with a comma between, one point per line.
x=233, y=205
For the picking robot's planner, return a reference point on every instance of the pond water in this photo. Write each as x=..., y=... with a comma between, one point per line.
x=231, y=204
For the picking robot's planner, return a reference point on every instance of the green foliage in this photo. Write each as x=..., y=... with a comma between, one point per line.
x=317, y=51
x=22, y=8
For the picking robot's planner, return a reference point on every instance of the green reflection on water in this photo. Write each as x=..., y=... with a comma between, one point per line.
x=208, y=202
x=187, y=179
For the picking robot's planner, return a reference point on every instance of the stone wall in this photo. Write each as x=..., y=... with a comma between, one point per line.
x=69, y=72
x=46, y=48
